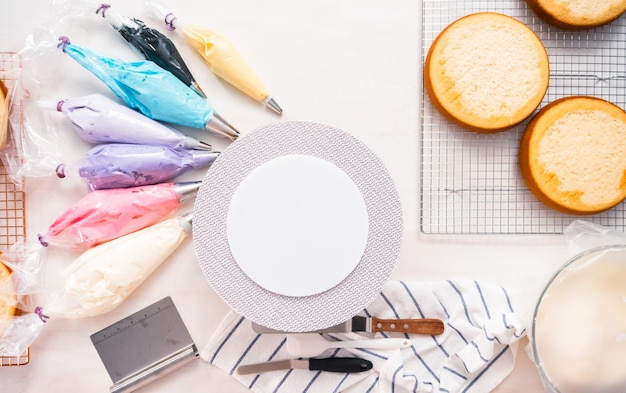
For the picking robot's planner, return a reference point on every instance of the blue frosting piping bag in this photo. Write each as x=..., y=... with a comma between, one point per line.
x=151, y=90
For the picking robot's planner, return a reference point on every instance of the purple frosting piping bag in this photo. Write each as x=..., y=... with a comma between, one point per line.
x=98, y=119
x=118, y=165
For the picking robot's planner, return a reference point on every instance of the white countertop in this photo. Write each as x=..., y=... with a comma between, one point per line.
x=353, y=64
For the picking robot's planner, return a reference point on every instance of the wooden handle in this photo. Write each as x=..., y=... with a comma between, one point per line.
x=429, y=326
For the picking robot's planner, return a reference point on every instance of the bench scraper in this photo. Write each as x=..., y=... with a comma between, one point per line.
x=144, y=346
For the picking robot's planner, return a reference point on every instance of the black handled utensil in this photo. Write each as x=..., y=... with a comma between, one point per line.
x=338, y=365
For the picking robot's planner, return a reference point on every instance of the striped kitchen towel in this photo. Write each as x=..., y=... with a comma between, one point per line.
x=474, y=354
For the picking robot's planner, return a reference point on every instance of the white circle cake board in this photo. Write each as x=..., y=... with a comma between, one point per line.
x=297, y=225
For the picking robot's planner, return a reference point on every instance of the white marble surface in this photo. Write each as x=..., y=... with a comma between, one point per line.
x=353, y=64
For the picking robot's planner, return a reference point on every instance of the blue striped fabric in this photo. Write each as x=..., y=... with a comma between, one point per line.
x=474, y=354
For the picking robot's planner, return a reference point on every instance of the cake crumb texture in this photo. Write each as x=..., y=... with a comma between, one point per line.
x=578, y=14
x=6, y=298
x=573, y=155
x=486, y=72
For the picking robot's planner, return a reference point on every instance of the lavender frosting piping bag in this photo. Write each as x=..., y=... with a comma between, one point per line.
x=150, y=89
x=98, y=119
x=152, y=44
x=119, y=165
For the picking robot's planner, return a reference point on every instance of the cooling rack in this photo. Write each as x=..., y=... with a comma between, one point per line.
x=470, y=183
x=12, y=199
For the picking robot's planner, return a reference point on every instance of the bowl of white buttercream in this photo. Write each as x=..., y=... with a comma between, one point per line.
x=578, y=335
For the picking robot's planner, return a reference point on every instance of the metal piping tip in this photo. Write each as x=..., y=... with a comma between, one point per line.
x=193, y=143
x=203, y=146
x=219, y=125
x=186, y=189
x=274, y=106
x=185, y=221
x=196, y=87
x=203, y=158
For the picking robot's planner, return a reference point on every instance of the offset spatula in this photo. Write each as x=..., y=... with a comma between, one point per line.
x=337, y=365
x=428, y=326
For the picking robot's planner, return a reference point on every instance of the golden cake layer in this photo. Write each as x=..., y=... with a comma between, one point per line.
x=572, y=155
x=578, y=14
x=486, y=72
x=6, y=300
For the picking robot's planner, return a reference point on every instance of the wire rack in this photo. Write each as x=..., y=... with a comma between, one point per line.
x=12, y=199
x=469, y=182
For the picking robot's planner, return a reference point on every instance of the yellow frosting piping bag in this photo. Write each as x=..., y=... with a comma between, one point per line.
x=219, y=54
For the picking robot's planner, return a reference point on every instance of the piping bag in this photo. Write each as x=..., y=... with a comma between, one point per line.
x=151, y=90
x=220, y=55
x=98, y=119
x=102, y=277
x=104, y=215
x=121, y=165
x=152, y=44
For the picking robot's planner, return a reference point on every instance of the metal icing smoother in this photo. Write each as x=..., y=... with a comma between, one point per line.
x=144, y=346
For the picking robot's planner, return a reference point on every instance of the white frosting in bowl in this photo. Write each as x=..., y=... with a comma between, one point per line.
x=579, y=330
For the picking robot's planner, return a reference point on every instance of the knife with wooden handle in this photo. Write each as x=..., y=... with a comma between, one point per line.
x=428, y=326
